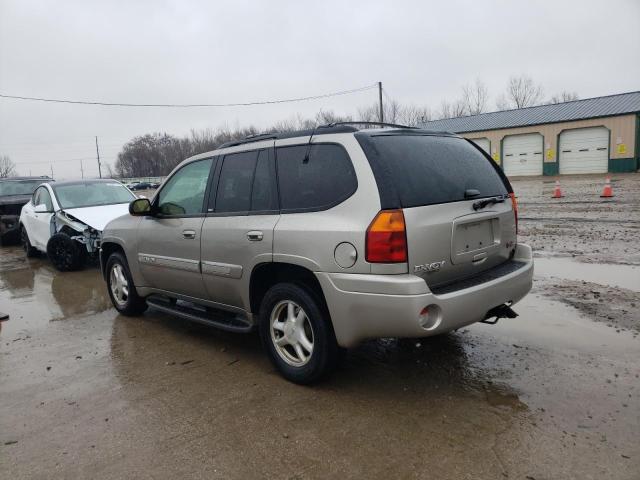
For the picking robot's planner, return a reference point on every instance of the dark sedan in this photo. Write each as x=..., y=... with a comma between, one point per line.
x=14, y=193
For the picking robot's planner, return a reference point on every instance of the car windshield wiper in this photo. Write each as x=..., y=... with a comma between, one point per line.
x=488, y=201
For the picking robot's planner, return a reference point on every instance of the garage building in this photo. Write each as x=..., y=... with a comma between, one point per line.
x=594, y=135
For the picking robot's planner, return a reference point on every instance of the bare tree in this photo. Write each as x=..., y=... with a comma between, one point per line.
x=475, y=97
x=413, y=116
x=521, y=92
x=7, y=167
x=564, y=96
x=390, y=108
x=453, y=109
x=109, y=170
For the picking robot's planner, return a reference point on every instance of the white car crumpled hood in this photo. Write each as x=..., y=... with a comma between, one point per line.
x=98, y=217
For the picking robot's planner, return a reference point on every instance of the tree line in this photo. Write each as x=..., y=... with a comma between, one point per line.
x=156, y=154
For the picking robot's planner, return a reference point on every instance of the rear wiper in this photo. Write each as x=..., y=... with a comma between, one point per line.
x=487, y=201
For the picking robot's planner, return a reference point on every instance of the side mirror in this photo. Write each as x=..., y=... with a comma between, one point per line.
x=140, y=207
x=42, y=208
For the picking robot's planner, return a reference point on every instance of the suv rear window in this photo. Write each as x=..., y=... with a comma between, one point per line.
x=429, y=169
x=319, y=182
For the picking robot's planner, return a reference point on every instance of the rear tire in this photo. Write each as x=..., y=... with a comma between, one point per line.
x=29, y=251
x=297, y=333
x=65, y=253
x=122, y=291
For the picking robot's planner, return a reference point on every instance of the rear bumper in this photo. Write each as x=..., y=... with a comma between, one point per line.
x=375, y=306
x=9, y=228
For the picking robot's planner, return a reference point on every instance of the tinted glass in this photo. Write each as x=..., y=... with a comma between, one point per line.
x=264, y=195
x=427, y=169
x=21, y=187
x=234, y=187
x=90, y=194
x=183, y=193
x=324, y=179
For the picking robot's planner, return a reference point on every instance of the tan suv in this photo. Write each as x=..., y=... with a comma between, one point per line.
x=322, y=239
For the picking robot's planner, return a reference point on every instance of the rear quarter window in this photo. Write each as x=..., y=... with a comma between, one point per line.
x=429, y=169
x=321, y=181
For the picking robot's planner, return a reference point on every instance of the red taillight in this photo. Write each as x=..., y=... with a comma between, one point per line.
x=387, y=238
x=514, y=205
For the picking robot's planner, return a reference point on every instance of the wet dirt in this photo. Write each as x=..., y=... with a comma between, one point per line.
x=582, y=225
x=86, y=393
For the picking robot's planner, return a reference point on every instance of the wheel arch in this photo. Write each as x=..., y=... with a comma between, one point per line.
x=265, y=275
x=106, y=250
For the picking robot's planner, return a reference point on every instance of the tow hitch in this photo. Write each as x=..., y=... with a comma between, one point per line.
x=496, y=313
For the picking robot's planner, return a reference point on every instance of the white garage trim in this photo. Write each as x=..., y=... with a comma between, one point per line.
x=484, y=143
x=584, y=150
x=522, y=154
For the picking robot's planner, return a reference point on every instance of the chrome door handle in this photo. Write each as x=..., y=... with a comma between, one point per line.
x=190, y=234
x=255, y=236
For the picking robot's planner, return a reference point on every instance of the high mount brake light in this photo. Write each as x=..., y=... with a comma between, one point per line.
x=386, y=240
x=514, y=205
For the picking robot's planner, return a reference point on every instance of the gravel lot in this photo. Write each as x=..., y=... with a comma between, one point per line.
x=555, y=393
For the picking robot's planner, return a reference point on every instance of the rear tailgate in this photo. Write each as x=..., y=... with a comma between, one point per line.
x=458, y=214
x=451, y=241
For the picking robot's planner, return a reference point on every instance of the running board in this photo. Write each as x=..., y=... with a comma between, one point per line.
x=195, y=313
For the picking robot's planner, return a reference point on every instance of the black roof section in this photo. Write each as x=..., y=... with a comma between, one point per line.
x=608, y=106
x=338, y=127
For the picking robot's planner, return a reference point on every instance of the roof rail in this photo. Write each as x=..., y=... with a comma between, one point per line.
x=248, y=139
x=384, y=124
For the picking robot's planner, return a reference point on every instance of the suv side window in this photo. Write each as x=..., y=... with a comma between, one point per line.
x=42, y=196
x=234, y=186
x=264, y=195
x=321, y=181
x=183, y=193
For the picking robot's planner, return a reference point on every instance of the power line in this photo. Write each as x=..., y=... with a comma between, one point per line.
x=190, y=105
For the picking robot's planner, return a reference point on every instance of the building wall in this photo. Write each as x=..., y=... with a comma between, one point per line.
x=624, y=154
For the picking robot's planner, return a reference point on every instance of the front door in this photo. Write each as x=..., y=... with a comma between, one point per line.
x=169, y=241
x=39, y=223
x=238, y=232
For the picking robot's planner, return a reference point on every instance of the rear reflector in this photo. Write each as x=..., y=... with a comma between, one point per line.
x=514, y=205
x=386, y=240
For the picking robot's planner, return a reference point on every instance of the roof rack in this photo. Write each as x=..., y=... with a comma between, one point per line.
x=383, y=124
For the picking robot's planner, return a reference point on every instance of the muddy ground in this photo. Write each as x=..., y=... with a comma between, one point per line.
x=555, y=393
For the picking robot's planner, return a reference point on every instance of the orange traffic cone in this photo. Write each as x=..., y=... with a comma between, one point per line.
x=557, y=193
x=607, y=191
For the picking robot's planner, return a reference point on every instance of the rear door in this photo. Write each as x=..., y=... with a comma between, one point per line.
x=238, y=231
x=437, y=180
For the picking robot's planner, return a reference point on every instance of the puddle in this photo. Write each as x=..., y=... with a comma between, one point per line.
x=33, y=293
x=622, y=276
x=551, y=325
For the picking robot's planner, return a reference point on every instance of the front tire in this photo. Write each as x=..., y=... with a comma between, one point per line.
x=297, y=334
x=26, y=243
x=65, y=253
x=121, y=288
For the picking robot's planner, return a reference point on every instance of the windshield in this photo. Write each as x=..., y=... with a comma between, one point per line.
x=429, y=169
x=91, y=194
x=18, y=187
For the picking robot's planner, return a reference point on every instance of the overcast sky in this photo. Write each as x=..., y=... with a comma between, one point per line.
x=237, y=51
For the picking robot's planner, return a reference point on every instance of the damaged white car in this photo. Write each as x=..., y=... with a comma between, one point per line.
x=65, y=219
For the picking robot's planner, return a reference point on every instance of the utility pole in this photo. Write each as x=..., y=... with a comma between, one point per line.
x=98, y=154
x=81, y=169
x=51, y=165
x=380, y=98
